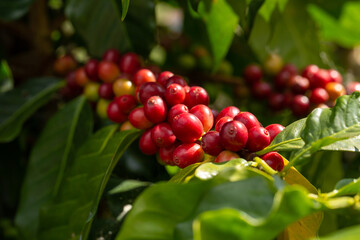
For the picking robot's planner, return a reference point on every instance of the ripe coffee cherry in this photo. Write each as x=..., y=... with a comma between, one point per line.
x=225, y=156
x=174, y=94
x=142, y=76
x=91, y=69
x=299, y=84
x=108, y=71
x=309, y=71
x=335, y=76
x=176, y=110
x=273, y=64
x=106, y=91
x=187, y=127
x=234, y=136
x=91, y=91
x=187, y=154
x=353, y=87
x=196, y=95
x=146, y=144
x=276, y=101
x=176, y=79
x=130, y=63
x=320, y=79
x=258, y=138
x=162, y=135
x=204, y=114
x=282, y=78
x=220, y=123
x=261, y=90
x=112, y=55
x=319, y=95
x=72, y=84
x=230, y=111
x=252, y=74
x=300, y=105
x=166, y=154
x=150, y=89
x=163, y=77
x=274, y=160
x=114, y=113
x=335, y=90
x=248, y=119
x=274, y=130
x=81, y=77
x=211, y=143
x=126, y=103
x=290, y=68
x=123, y=86
x=138, y=119
x=65, y=65
x=101, y=108
x=155, y=109
x=287, y=99
x=126, y=126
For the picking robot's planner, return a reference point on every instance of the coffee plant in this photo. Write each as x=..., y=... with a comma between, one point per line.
x=191, y=119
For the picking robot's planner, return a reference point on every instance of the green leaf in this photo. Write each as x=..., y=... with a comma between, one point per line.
x=11, y=10
x=268, y=8
x=72, y=211
x=125, y=7
x=99, y=23
x=220, y=29
x=128, y=185
x=52, y=154
x=6, y=79
x=350, y=233
x=346, y=187
x=184, y=175
x=19, y=104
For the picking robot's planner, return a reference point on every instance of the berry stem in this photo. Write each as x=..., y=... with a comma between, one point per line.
x=264, y=165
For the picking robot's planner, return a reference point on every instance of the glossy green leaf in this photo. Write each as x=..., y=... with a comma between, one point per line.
x=128, y=185
x=220, y=29
x=19, y=104
x=52, y=154
x=11, y=10
x=72, y=211
x=268, y=8
x=99, y=23
x=125, y=7
x=346, y=187
x=6, y=79
x=184, y=175
x=351, y=233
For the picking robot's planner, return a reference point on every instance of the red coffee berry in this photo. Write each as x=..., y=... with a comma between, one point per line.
x=335, y=76
x=288, y=97
x=91, y=69
x=248, y=119
x=146, y=144
x=65, y=65
x=220, y=123
x=211, y=143
x=274, y=130
x=81, y=78
x=166, y=153
x=114, y=113
x=261, y=90
x=163, y=135
x=353, y=87
x=196, y=95
x=187, y=154
x=276, y=101
x=126, y=103
x=274, y=160
x=155, y=69
x=112, y=55
x=309, y=71
x=130, y=63
x=176, y=79
x=252, y=74
x=150, y=89
x=282, y=80
x=230, y=111
x=108, y=71
x=320, y=79
x=319, y=95
x=72, y=83
x=258, y=138
x=106, y=91
x=142, y=76
x=187, y=127
x=155, y=109
x=234, y=136
x=299, y=84
x=300, y=105
x=225, y=156
x=176, y=110
x=174, y=94
x=204, y=114
x=138, y=119
x=163, y=77
x=290, y=68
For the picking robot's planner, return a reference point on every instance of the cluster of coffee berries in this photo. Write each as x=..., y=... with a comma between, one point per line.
x=300, y=91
